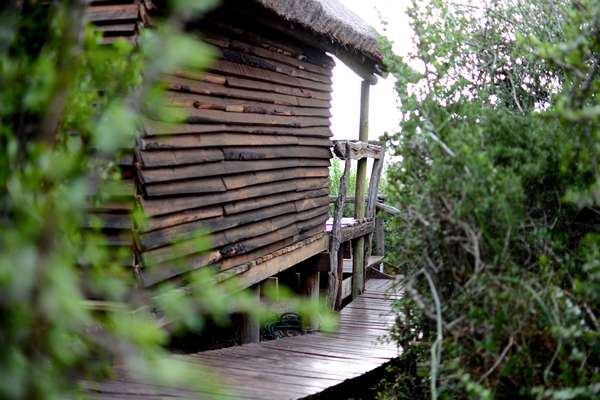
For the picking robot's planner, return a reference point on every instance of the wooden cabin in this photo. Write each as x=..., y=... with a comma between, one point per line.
x=251, y=163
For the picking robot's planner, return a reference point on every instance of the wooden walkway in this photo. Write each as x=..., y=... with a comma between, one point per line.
x=293, y=367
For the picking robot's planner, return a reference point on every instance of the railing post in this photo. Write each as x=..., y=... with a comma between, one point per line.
x=358, y=272
x=379, y=236
x=250, y=326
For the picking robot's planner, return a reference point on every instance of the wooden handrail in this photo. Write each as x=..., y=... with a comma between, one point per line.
x=380, y=205
x=357, y=150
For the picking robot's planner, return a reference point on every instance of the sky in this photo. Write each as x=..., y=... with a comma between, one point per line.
x=383, y=111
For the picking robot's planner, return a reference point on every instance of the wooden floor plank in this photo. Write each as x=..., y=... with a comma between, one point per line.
x=292, y=367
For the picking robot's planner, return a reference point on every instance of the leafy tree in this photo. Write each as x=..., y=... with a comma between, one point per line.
x=498, y=186
x=68, y=309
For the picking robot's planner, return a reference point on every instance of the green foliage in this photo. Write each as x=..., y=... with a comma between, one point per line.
x=68, y=309
x=498, y=185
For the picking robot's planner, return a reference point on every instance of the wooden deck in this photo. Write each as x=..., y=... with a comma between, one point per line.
x=293, y=367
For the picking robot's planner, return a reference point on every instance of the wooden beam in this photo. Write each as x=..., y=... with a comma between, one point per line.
x=273, y=266
x=336, y=236
x=372, y=200
x=250, y=327
x=379, y=235
x=309, y=287
x=359, y=209
x=357, y=150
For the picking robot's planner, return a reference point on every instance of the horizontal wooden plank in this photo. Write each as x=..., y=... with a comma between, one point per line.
x=109, y=221
x=240, y=56
x=196, y=116
x=245, y=246
x=219, y=38
x=233, y=263
x=127, y=28
x=256, y=178
x=275, y=265
x=229, y=139
x=161, y=158
x=216, y=140
x=218, y=239
x=247, y=71
x=238, y=26
x=239, y=88
x=225, y=168
x=186, y=231
x=188, y=186
x=155, y=207
x=305, y=97
x=250, y=204
x=358, y=150
x=156, y=128
x=181, y=218
x=306, y=204
x=152, y=275
x=117, y=12
x=267, y=152
x=205, y=102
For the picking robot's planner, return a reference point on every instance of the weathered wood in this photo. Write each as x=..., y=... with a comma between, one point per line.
x=379, y=235
x=162, y=158
x=236, y=261
x=249, y=325
x=118, y=12
x=247, y=245
x=246, y=71
x=275, y=265
x=226, y=238
x=356, y=150
x=239, y=88
x=357, y=231
x=336, y=239
x=155, y=207
x=268, y=152
x=309, y=287
x=189, y=186
x=158, y=128
x=256, y=178
x=158, y=238
x=228, y=139
x=225, y=168
x=240, y=26
x=306, y=204
x=151, y=275
x=204, y=102
x=374, y=187
x=193, y=115
x=250, y=204
x=243, y=43
x=359, y=209
x=108, y=221
x=181, y=218
x=123, y=28
x=245, y=58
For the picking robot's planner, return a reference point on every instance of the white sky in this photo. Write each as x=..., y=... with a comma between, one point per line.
x=383, y=112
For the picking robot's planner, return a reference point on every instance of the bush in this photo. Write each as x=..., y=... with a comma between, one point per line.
x=498, y=239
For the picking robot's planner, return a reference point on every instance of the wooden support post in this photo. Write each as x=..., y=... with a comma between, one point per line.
x=309, y=287
x=333, y=286
x=358, y=271
x=250, y=327
x=379, y=238
x=372, y=200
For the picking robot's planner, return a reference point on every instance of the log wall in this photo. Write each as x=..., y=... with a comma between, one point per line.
x=249, y=164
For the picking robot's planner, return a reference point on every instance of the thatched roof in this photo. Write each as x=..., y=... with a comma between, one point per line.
x=332, y=20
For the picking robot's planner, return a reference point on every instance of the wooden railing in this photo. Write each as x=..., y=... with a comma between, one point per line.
x=348, y=151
